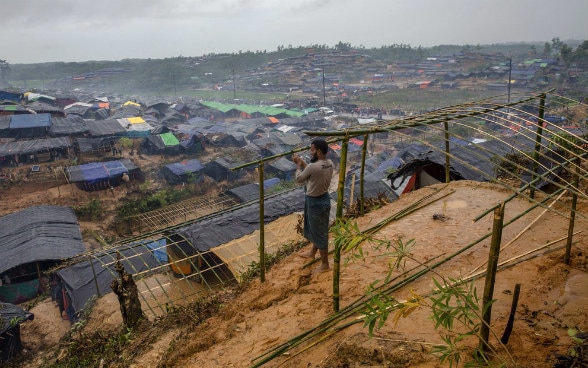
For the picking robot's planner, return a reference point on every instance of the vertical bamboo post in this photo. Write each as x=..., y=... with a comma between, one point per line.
x=362, y=173
x=447, y=160
x=573, y=213
x=491, y=276
x=261, y=224
x=95, y=278
x=340, y=195
x=537, y=143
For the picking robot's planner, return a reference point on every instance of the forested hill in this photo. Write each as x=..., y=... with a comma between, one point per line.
x=177, y=74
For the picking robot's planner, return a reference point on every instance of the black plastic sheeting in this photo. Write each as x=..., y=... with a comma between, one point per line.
x=87, y=279
x=34, y=146
x=217, y=230
x=478, y=162
x=10, y=342
x=108, y=127
x=68, y=125
x=39, y=233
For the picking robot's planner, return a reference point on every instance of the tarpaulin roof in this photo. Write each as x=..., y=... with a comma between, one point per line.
x=39, y=233
x=10, y=313
x=477, y=162
x=99, y=171
x=69, y=125
x=185, y=167
x=245, y=193
x=233, y=224
x=86, y=279
x=33, y=146
x=108, y=127
x=169, y=139
x=250, y=109
x=93, y=144
x=30, y=121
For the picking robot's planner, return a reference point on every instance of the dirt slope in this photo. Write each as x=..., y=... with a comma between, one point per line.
x=294, y=300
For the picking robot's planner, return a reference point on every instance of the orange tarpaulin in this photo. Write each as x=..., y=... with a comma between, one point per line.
x=273, y=120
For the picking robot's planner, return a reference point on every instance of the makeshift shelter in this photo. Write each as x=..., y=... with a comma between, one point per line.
x=33, y=151
x=102, y=175
x=85, y=145
x=245, y=193
x=11, y=316
x=90, y=278
x=158, y=144
x=10, y=96
x=199, y=240
x=27, y=126
x=32, y=241
x=220, y=169
x=68, y=126
x=105, y=128
x=424, y=165
x=183, y=171
x=282, y=168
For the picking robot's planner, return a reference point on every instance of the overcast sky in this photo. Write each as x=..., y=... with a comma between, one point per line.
x=81, y=30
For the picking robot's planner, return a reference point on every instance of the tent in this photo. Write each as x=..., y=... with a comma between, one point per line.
x=31, y=240
x=182, y=171
x=224, y=227
x=90, y=278
x=101, y=175
x=165, y=143
x=220, y=169
x=108, y=127
x=27, y=126
x=21, y=151
x=70, y=125
x=282, y=168
x=11, y=316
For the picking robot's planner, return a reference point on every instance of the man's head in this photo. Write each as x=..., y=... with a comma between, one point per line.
x=318, y=150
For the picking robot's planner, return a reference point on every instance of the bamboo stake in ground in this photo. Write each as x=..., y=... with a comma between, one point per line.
x=491, y=277
x=573, y=213
x=522, y=231
x=340, y=196
x=513, y=308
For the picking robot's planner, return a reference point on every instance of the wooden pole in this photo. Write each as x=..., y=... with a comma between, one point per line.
x=261, y=225
x=447, y=158
x=362, y=173
x=491, y=277
x=572, y=213
x=340, y=194
x=538, y=141
x=352, y=190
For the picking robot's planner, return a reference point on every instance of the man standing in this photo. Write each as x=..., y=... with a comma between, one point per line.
x=317, y=204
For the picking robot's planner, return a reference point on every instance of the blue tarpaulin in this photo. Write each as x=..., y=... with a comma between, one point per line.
x=95, y=172
x=30, y=121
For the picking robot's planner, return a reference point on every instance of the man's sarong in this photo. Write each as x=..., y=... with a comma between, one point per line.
x=316, y=220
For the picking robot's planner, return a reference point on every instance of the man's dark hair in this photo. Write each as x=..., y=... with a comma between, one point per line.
x=321, y=144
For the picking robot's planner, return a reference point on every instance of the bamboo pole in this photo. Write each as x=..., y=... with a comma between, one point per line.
x=491, y=277
x=352, y=190
x=572, y=213
x=447, y=156
x=362, y=174
x=539, y=134
x=524, y=230
x=261, y=225
x=513, y=309
x=340, y=196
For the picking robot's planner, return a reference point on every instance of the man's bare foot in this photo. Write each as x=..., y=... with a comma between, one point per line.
x=306, y=255
x=321, y=268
